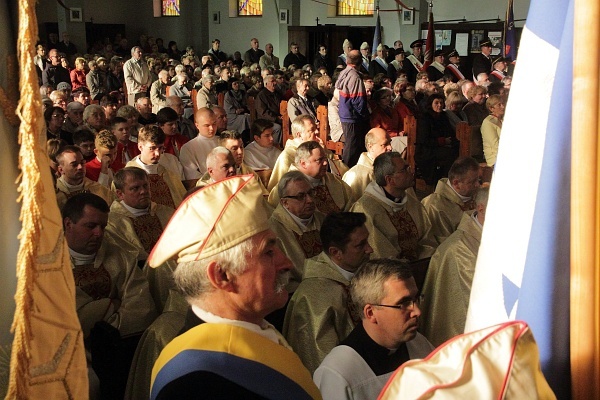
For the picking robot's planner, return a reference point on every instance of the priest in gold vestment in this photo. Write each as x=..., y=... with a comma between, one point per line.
x=358, y=177
x=397, y=222
x=331, y=194
x=448, y=283
x=452, y=197
x=321, y=313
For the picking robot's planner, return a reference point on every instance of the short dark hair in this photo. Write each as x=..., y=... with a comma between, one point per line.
x=384, y=166
x=227, y=135
x=461, y=167
x=122, y=174
x=51, y=110
x=259, y=126
x=108, y=99
x=83, y=135
x=166, y=114
x=337, y=228
x=118, y=120
x=73, y=208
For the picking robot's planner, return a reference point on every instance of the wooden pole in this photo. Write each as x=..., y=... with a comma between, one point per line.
x=585, y=204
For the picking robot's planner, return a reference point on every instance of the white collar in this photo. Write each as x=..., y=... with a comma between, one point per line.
x=72, y=188
x=265, y=329
x=464, y=199
x=81, y=259
x=151, y=169
x=135, y=211
x=301, y=222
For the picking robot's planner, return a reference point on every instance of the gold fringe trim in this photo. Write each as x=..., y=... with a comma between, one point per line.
x=29, y=111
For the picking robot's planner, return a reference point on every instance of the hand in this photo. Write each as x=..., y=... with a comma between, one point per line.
x=105, y=162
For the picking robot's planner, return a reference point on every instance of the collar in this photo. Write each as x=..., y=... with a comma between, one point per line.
x=346, y=274
x=151, y=169
x=380, y=359
x=135, y=211
x=72, y=188
x=81, y=259
x=464, y=199
x=301, y=222
x=265, y=329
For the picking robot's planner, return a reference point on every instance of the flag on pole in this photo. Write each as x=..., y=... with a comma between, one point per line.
x=430, y=42
x=377, y=35
x=48, y=354
x=523, y=264
x=510, y=39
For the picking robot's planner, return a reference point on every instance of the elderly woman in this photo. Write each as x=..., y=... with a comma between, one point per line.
x=491, y=128
x=206, y=97
x=238, y=116
x=436, y=144
x=454, y=110
x=78, y=74
x=384, y=114
x=94, y=118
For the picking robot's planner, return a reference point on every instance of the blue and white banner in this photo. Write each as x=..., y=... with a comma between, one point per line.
x=523, y=265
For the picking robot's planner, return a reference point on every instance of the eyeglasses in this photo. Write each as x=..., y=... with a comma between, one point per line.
x=302, y=196
x=406, y=305
x=405, y=169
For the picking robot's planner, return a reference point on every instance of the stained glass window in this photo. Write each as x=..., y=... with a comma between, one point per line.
x=355, y=7
x=250, y=7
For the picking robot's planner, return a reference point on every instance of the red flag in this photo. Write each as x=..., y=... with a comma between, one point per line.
x=430, y=43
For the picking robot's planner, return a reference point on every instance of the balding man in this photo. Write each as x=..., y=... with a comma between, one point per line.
x=449, y=278
x=253, y=55
x=233, y=274
x=137, y=76
x=397, y=222
x=193, y=153
x=158, y=91
x=269, y=59
x=452, y=197
x=358, y=177
x=55, y=73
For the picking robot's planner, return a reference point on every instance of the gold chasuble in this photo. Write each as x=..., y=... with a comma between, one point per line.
x=399, y=230
x=445, y=210
x=297, y=243
x=448, y=283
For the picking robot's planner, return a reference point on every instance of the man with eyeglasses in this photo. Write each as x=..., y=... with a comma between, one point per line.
x=331, y=194
x=320, y=314
x=447, y=287
x=296, y=222
x=386, y=296
x=55, y=73
x=398, y=224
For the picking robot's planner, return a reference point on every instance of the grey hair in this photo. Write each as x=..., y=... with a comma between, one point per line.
x=366, y=287
x=298, y=124
x=163, y=73
x=481, y=198
x=384, y=166
x=304, y=151
x=291, y=176
x=207, y=78
x=191, y=277
x=89, y=110
x=211, y=158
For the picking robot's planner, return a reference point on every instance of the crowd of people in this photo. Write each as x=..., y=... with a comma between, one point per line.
x=202, y=245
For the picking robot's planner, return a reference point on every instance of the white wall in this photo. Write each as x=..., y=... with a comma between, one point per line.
x=195, y=26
